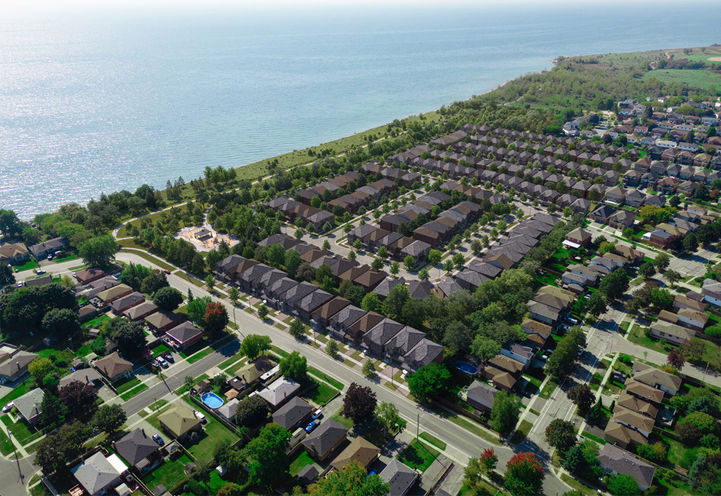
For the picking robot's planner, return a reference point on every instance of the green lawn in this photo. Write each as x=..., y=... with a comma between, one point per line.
x=129, y=246
x=127, y=385
x=522, y=431
x=548, y=389
x=418, y=456
x=6, y=446
x=699, y=78
x=73, y=256
x=159, y=350
x=341, y=419
x=320, y=375
x=19, y=390
x=235, y=368
x=433, y=440
x=200, y=354
x=170, y=474
x=321, y=394
x=300, y=461
x=184, y=389
x=30, y=264
x=215, y=435
x=92, y=323
x=20, y=431
x=129, y=394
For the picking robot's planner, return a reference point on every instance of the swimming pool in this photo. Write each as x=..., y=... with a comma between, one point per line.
x=212, y=400
x=466, y=368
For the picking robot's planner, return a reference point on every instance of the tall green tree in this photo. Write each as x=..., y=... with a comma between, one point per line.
x=253, y=345
x=98, y=251
x=428, y=381
x=352, y=480
x=504, y=413
x=266, y=455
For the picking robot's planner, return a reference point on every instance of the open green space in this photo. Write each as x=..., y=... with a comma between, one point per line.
x=321, y=394
x=20, y=430
x=127, y=385
x=129, y=394
x=159, y=350
x=158, y=405
x=129, y=246
x=699, y=78
x=232, y=370
x=418, y=456
x=300, y=461
x=433, y=440
x=169, y=474
x=198, y=355
x=215, y=435
x=96, y=322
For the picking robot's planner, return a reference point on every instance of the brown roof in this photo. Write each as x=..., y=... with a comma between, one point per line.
x=505, y=363
x=643, y=391
x=330, y=308
x=359, y=450
x=365, y=323
x=113, y=365
x=635, y=404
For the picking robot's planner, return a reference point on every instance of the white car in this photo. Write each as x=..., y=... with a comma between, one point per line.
x=199, y=416
x=8, y=407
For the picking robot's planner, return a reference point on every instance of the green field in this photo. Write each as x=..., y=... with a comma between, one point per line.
x=321, y=394
x=699, y=78
x=170, y=474
x=215, y=435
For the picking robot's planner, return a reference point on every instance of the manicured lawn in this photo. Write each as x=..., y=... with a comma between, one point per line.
x=235, y=368
x=320, y=375
x=30, y=264
x=129, y=394
x=6, y=446
x=548, y=389
x=215, y=435
x=322, y=394
x=73, y=256
x=522, y=431
x=170, y=474
x=433, y=440
x=595, y=438
x=127, y=385
x=230, y=361
x=159, y=350
x=92, y=323
x=344, y=421
x=21, y=431
x=638, y=336
x=19, y=390
x=150, y=258
x=418, y=456
x=184, y=389
x=300, y=461
x=197, y=356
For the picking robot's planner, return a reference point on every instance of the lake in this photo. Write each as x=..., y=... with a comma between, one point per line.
x=105, y=100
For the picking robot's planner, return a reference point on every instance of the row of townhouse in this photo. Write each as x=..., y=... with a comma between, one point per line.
x=293, y=209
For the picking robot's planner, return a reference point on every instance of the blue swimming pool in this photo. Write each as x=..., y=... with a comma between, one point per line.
x=212, y=400
x=466, y=368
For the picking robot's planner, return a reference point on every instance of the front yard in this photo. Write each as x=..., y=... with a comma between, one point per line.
x=418, y=456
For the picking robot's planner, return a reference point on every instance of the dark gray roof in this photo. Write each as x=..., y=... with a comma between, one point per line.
x=299, y=292
x=399, y=476
x=313, y=300
x=185, y=331
x=347, y=316
x=482, y=394
x=404, y=341
x=419, y=289
x=254, y=273
x=423, y=353
x=292, y=412
x=325, y=437
x=135, y=446
x=281, y=286
x=623, y=462
x=387, y=284
x=383, y=332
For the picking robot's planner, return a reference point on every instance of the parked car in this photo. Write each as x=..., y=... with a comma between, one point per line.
x=199, y=416
x=20, y=284
x=162, y=362
x=309, y=428
x=580, y=351
x=317, y=414
x=166, y=271
x=40, y=271
x=169, y=357
x=572, y=320
x=158, y=439
x=8, y=407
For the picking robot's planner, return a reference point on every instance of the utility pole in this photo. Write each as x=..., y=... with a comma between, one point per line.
x=418, y=424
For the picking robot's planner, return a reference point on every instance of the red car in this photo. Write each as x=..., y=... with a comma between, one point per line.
x=166, y=271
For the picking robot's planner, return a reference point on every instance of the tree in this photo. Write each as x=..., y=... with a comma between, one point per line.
x=9, y=223
x=276, y=255
x=614, y=284
x=130, y=338
x=79, y=399
x=673, y=277
x=647, y=269
x=622, y=485
x=253, y=345
x=448, y=266
x=477, y=468
x=109, y=418
x=676, y=359
x=6, y=275
x=352, y=480
x=476, y=247
x=233, y=296
x=231, y=488
x=371, y=302
x=395, y=268
x=688, y=433
x=434, y=256
x=693, y=349
x=215, y=318
x=53, y=412
x=196, y=308
x=297, y=329
x=332, y=348
x=428, y=381
x=61, y=322
x=485, y=348
x=504, y=413
x=369, y=370
x=252, y=411
x=582, y=397
x=263, y=312
x=489, y=460
x=359, y=403
x=596, y=304
x=423, y=274
x=560, y=434
x=42, y=367
x=457, y=337
x=57, y=450
x=524, y=475
x=210, y=282
x=266, y=455
x=98, y=251
x=292, y=262
x=582, y=460
x=596, y=415
x=294, y=366
x=377, y=264
x=387, y=414
x=393, y=304
x=168, y=298
x=661, y=261
x=383, y=252
x=690, y=244
x=409, y=262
